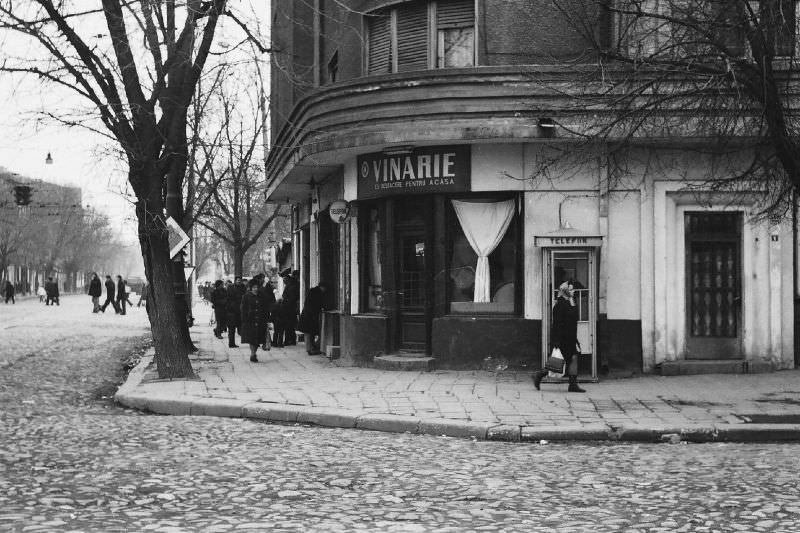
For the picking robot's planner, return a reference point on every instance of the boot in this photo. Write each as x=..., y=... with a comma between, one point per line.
x=537, y=378
x=573, y=385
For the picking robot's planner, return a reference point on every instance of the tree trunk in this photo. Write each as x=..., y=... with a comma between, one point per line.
x=238, y=259
x=167, y=319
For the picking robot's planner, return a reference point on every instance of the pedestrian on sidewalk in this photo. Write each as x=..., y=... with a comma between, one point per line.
x=128, y=294
x=109, y=295
x=285, y=315
x=9, y=292
x=219, y=302
x=254, y=319
x=310, y=317
x=41, y=293
x=95, y=291
x=51, y=289
x=564, y=335
x=267, y=295
x=121, y=296
x=233, y=309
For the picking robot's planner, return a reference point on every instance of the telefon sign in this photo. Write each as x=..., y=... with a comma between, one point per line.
x=426, y=169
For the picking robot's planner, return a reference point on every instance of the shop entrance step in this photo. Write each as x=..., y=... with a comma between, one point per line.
x=408, y=361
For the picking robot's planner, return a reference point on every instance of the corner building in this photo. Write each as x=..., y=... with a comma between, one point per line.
x=435, y=122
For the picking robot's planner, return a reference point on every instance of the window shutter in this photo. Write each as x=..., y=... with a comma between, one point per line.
x=379, y=43
x=455, y=14
x=412, y=37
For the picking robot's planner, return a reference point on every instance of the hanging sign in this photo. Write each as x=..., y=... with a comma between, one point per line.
x=339, y=211
x=423, y=170
x=177, y=237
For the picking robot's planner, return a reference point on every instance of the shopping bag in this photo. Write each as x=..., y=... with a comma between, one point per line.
x=555, y=362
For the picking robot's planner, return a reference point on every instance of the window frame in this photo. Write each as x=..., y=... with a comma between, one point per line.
x=433, y=44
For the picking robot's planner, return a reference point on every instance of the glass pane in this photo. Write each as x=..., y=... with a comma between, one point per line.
x=461, y=272
x=573, y=266
x=457, y=47
x=373, y=285
x=412, y=270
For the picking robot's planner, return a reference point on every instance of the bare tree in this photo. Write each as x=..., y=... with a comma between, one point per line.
x=719, y=72
x=138, y=74
x=229, y=177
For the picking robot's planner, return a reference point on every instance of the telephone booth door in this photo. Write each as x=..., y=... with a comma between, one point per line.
x=578, y=266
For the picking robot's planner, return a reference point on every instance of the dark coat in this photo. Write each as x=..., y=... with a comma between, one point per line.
x=267, y=296
x=564, y=330
x=121, y=289
x=287, y=310
x=51, y=288
x=109, y=289
x=254, y=319
x=233, y=302
x=10, y=289
x=95, y=288
x=310, y=316
x=219, y=301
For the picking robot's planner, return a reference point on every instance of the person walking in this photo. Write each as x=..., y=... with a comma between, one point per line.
x=309, y=322
x=95, y=291
x=267, y=295
x=285, y=315
x=51, y=289
x=233, y=311
x=121, y=297
x=219, y=302
x=128, y=294
x=110, y=289
x=254, y=319
x=564, y=335
x=9, y=292
x=41, y=293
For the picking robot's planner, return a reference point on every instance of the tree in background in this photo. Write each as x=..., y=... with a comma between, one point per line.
x=720, y=75
x=229, y=181
x=137, y=65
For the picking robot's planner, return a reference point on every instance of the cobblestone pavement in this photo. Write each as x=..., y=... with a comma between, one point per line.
x=70, y=460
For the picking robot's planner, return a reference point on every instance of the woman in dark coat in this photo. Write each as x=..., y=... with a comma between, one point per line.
x=254, y=319
x=233, y=313
x=564, y=334
x=219, y=302
x=309, y=322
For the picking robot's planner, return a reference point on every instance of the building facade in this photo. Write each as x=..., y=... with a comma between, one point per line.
x=424, y=146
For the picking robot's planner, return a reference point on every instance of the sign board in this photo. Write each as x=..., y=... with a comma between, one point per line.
x=568, y=241
x=423, y=170
x=339, y=211
x=177, y=237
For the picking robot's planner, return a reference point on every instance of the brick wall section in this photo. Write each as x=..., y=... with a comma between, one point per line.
x=511, y=32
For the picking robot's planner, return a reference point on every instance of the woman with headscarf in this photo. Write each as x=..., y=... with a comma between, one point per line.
x=564, y=335
x=254, y=319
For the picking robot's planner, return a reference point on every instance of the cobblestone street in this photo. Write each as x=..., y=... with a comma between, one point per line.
x=71, y=460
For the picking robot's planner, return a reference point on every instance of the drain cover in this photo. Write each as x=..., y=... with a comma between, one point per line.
x=771, y=419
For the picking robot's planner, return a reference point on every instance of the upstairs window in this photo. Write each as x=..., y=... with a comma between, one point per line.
x=421, y=35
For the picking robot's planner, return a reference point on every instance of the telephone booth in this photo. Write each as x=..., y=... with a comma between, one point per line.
x=572, y=255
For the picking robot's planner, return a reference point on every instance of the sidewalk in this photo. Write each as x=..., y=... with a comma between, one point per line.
x=286, y=385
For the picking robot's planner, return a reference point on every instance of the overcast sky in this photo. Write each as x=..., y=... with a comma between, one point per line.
x=77, y=154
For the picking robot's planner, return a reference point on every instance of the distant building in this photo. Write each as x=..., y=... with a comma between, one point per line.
x=27, y=205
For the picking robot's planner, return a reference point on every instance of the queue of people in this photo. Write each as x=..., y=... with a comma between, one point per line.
x=252, y=309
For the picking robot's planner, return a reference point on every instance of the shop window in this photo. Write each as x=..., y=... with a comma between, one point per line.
x=372, y=282
x=483, y=256
x=420, y=35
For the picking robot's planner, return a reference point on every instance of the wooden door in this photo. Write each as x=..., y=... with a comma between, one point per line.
x=713, y=286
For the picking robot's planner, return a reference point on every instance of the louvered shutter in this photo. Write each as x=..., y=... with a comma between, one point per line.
x=412, y=37
x=379, y=43
x=455, y=14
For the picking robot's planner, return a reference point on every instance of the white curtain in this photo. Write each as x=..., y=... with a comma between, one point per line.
x=484, y=224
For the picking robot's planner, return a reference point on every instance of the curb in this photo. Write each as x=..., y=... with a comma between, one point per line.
x=185, y=405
